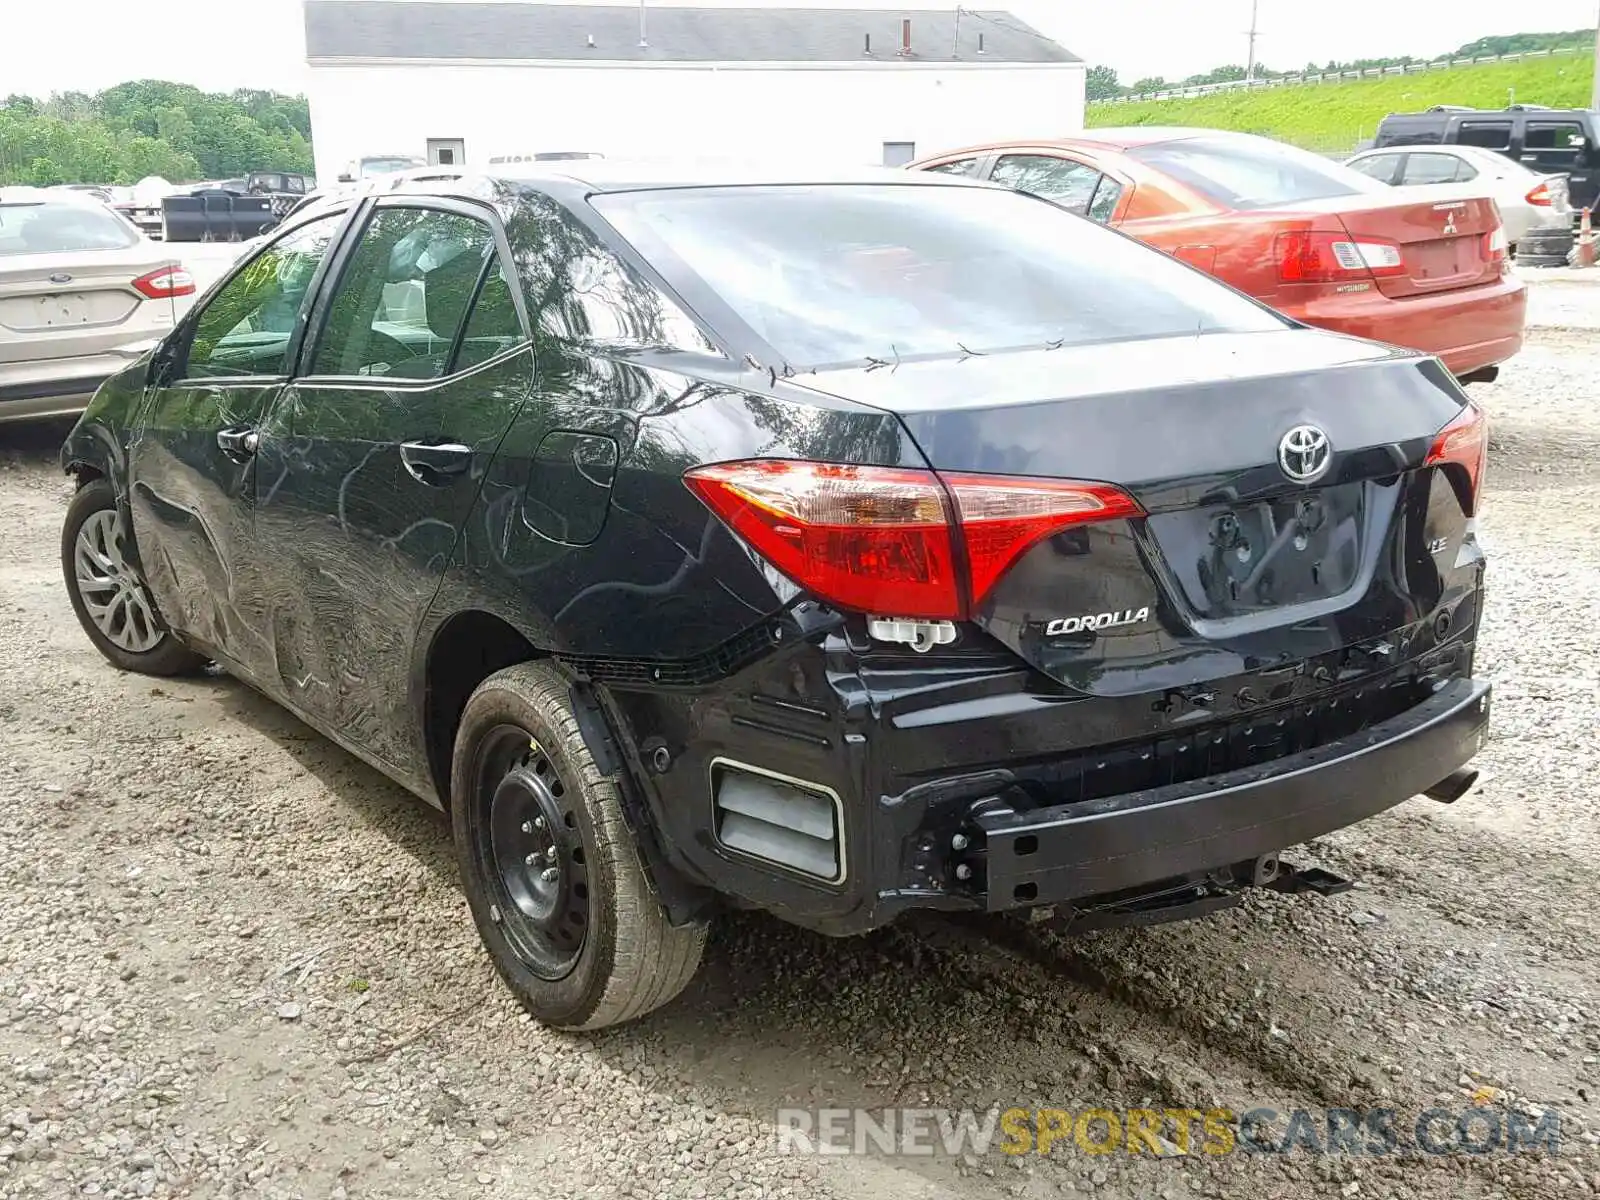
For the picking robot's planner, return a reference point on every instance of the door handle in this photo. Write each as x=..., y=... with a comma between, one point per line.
x=433, y=463
x=238, y=442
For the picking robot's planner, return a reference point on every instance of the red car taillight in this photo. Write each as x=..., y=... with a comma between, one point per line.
x=165, y=282
x=885, y=539
x=1540, y=195
x=1462, y=447
x=1313, y=256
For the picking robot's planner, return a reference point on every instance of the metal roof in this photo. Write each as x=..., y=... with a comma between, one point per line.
x=420, y=29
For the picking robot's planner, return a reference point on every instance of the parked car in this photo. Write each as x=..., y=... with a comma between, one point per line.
x=1545, y=140
x=1527, y=200
x=78, y=284
x=836, y=546
x=1316, y=240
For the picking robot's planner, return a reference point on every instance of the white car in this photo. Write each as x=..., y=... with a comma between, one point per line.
x=1527, y=199
x=81, y=292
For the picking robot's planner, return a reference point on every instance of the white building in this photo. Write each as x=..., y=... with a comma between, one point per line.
x=464, y=82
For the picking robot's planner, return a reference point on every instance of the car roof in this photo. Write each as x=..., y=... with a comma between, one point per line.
x=36, y=195
x=624, y=175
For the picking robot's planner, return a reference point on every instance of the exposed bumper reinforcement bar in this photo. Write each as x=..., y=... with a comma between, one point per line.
x=1095, y=847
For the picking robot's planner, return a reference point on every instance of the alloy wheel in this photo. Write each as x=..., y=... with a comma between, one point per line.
x=113, y=594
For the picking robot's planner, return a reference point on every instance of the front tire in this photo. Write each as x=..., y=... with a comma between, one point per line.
x=550, y=868
x=108, y=592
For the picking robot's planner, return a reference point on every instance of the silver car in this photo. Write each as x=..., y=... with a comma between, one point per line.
x=81, y=291
x=1527, y=199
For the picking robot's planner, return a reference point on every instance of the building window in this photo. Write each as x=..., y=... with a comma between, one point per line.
x=898, y=154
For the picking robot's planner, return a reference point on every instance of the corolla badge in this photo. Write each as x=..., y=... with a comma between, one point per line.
x=1304, y=453
x=1091, y=622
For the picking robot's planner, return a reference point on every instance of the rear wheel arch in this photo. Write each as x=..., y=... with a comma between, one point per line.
x=466, y=649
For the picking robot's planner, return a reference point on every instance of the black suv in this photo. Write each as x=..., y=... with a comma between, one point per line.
x=1546, y=140
x=836, y=548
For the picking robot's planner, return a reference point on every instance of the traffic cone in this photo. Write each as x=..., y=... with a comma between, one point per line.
x=1586, y=248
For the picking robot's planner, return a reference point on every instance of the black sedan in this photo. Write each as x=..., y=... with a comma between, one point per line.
x=831, y=546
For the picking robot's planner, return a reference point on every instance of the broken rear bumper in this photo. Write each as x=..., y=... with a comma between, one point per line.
x=1142, y=838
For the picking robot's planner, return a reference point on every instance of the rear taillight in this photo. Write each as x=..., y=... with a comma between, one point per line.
x=1540, y=195
x=1495, y=246
x=886, y=539
x=165, y=282
x=1312, y=256
x=1462, y=448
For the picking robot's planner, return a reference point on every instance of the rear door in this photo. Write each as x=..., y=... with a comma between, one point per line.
x=191, y=468
x=370, y=461
x=1563, y=145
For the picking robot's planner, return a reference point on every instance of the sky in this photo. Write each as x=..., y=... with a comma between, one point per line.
x=87, y=45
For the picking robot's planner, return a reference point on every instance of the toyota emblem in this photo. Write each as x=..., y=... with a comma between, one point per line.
x=1304, y=453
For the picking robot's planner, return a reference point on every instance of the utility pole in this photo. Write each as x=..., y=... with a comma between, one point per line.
x=1250, y=66
x=1594, y=96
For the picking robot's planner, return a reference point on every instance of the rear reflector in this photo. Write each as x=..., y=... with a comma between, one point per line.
x=165, y=282
x=885, y=539
x=1462, y=448
x=1312, y=256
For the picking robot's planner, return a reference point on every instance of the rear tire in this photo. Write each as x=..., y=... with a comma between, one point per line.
x=550, y=868
x=108, y=592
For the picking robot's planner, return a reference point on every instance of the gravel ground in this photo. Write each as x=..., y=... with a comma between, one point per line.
x=234, y=962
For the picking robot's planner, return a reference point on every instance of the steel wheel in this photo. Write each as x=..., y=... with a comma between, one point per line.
x=534, y=853
x=113, y=594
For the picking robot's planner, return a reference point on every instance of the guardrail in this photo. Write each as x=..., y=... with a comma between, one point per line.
x=1416, y=68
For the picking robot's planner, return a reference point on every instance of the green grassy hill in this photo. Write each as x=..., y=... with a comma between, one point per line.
x=1334, y=117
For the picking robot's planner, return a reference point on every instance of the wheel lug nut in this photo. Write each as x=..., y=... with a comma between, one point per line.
x=550, y=875
x=538, y=822
x=531, y=861
x=552, y=854
x=527, y=827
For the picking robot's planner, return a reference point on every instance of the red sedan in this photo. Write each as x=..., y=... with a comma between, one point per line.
x=1319, y=242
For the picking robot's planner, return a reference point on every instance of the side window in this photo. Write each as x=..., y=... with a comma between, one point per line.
x=403, y=295
x=579, y=291
x=1378, y=166
x=493, y=327
x=1106, y=198
x=962, y=166
x=1424, y=169
x=1555, y=144
x=1491, y=135
x=246, y=327
x=1069, y=184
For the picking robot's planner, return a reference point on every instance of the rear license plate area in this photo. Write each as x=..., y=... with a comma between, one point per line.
x=1432, y=262
x=1244, y=558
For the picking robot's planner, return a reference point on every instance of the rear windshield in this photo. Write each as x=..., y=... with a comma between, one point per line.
x=59, y=228
x=1250, y=173
x=842, y=273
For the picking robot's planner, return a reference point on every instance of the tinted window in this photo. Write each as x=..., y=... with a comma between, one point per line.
x=1492, y=135
x=493, y=327
x=1434, y=168
x=847, y=273
x=1379, y=166
x=579, y=291
x=1554, y=142
x=962, y=166
x=402, y=297
x=245, y=328
x=1250, y=173
x=60, y=228
x=1067, y=183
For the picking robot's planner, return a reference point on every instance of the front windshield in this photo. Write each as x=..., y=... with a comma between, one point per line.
x=853, y=273
x=386, y=166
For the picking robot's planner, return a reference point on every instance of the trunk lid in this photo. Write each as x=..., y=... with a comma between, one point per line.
x=1442, y=240
x=70, y=305
x=1235, y=566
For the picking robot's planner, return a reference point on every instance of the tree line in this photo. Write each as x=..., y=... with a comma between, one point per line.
x=151, y=127
x=1104, y=85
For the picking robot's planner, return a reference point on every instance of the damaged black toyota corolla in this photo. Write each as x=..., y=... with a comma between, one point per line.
x=833, y=547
